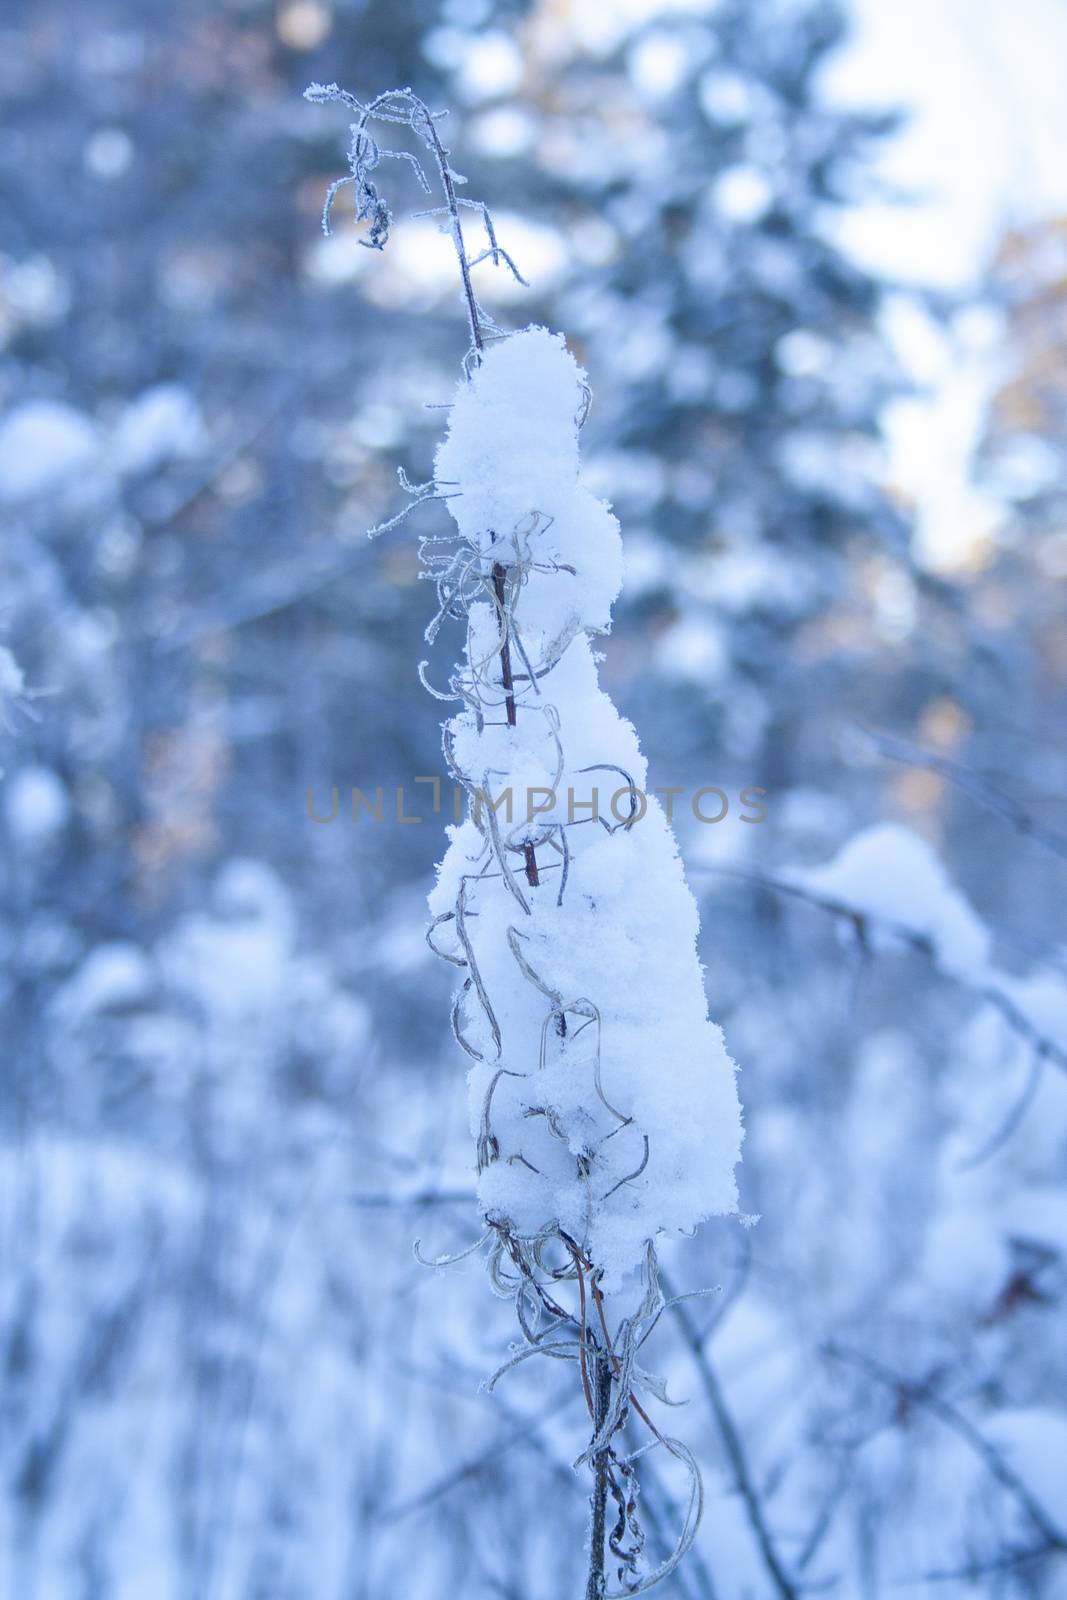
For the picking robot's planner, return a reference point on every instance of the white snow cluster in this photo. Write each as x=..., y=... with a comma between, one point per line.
x=512, y=451
x=44, y=445
x=162, y=424
x=602, y=1097
x=49, y=449
x=891, y=874
x=36, y=804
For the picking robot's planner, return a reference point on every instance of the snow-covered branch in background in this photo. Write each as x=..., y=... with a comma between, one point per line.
x=603, y=1102
x=14, y=695
x=12, y=685
x=890, y=884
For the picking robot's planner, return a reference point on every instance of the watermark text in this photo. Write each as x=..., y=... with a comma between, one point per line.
x=626, y=805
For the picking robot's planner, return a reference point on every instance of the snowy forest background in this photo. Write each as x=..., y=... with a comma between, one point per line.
x=229, y=1096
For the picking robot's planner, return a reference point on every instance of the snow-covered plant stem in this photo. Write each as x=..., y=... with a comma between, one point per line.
x=601, y=1463
x=603, y=1104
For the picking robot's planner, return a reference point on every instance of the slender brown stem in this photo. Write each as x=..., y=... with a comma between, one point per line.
x=500, y=575
x=595, y=1585
x=500, y=578
x=532, y=876
x=441, y=156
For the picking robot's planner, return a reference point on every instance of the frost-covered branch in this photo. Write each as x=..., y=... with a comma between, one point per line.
x=889, y=887
x=403, y=108
x=14, y=692
x=603, y=1103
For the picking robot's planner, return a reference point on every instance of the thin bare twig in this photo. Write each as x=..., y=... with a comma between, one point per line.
x=923, y=1393
x=975, y=786
x=404, y=108
x=735, y=1451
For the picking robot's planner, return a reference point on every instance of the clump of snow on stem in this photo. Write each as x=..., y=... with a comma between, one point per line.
x=512, y=450
x=602, y=1097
